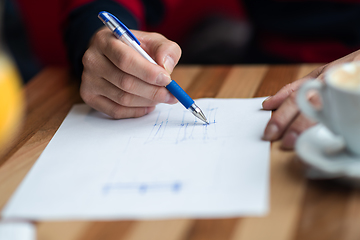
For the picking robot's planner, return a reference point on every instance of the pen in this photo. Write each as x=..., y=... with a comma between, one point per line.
x=125, y=35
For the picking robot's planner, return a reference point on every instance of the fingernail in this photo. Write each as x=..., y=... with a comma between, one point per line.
x=266, y=100
x=289, y=140
x=162, y=79
x=270, y=132
x=169, y=64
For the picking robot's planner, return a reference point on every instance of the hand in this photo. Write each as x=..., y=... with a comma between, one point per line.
x=287, y=123
x=118, y=81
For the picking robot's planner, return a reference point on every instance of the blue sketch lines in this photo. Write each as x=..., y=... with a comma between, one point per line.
x=210, y=113
x=170, y=129
x=208, y=133
x=142, y=187
x=185, y=132
x=158, y=130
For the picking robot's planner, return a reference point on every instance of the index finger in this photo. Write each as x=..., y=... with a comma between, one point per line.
x=166, y=53
x=128, y=60
x=275, y=101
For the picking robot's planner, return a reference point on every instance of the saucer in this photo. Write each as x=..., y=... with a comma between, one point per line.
x=325, y=153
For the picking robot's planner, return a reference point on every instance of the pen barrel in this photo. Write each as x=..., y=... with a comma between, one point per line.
x=180, y=94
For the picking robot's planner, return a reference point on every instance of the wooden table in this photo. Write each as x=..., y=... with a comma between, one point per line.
x=299, y=208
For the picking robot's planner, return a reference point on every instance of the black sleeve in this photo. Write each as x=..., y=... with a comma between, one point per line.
x=312, y=19
x=83, y=22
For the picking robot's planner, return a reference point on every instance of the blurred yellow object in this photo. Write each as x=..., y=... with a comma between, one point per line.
x=11, y=102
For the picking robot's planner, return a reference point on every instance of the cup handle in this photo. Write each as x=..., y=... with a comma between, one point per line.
x=305, y=106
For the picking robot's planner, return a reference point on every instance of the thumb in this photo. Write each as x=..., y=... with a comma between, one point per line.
x=169, y=64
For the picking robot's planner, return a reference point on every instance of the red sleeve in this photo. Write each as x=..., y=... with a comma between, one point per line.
x=134, y=6
x=45, y=21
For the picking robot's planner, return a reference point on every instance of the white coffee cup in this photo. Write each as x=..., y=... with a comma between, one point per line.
x=340, y=111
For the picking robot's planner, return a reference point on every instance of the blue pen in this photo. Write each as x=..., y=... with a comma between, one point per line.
x=125, y=35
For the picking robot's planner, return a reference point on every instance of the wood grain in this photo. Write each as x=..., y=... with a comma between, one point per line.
x=299, y=208
x=242, y=81
x=208, y=82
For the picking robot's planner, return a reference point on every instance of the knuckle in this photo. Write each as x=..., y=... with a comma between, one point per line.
x=157, y=95
x=117, y=112
x=123, y=58
x=89, y=59
x=126, y=83
x=124, y=61
x=175, y=47
x=120, y=112
x=100, y=37
x=155, y=35
x=139, y=112
x=124, y=99
x=288, y=88
x=119, y=97
x=86, y=95
x=292, y=98
x=279, y=120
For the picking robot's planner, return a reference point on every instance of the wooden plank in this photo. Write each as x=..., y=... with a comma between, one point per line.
x=69, y=230
x=184, y=75
x=37, y=93
x=107, y=230
x=286, y=192
x=159, y=230
x=208, y=83
x=299, y=209
x=351, y=229
x=324, y=207
x=212, y=229
x=242, y=81
x=16, y=167
x=277, y=77
x=287, y=189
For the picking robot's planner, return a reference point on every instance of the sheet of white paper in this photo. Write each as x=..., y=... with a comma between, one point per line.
x=17, y=231
x=167, y=164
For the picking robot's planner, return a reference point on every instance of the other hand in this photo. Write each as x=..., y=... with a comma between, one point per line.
x=287, y=123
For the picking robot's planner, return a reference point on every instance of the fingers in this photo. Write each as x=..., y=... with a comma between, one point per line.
x=131, y=62
x=281, y=118
x=275, y=101
x=117, y=80
x=288, y=123
x=166, y=53
x=117, y=111
x=300, y=124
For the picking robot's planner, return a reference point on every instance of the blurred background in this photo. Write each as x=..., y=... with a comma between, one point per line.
x=11, y=98
x=209, y=32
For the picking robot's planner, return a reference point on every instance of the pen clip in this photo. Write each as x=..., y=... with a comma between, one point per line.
x=107, y=17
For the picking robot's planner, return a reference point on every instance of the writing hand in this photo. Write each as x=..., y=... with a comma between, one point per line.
x=118, y=81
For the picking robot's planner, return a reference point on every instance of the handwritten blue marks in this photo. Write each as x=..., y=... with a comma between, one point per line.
x=211, y=114
x=158, y=129
x=175, y=127
x=142, y=187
